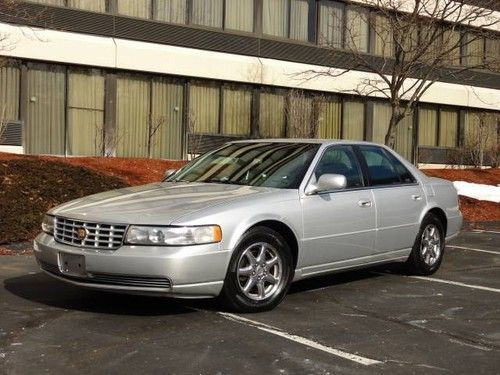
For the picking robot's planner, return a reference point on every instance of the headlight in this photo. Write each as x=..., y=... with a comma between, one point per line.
x=174, y=236
x=48, y=224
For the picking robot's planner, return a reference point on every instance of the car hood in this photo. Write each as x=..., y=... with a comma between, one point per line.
x=159, y=203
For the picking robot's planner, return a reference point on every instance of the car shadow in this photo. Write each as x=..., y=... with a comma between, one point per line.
x=41, y=288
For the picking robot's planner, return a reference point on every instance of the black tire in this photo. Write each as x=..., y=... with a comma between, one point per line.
x=232, y=295
x=420, y=261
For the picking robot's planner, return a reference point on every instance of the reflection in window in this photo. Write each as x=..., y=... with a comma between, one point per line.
x=174, y=11
x=207, y=13
x=331, y=24
x=239, y=15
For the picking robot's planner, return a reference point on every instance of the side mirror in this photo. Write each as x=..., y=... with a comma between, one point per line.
x=168, y=173
x=327, y=182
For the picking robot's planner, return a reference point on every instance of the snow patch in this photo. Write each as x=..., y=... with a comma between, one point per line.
x=478, y=191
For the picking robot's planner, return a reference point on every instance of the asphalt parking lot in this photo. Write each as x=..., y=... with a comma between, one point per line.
x=364, y=322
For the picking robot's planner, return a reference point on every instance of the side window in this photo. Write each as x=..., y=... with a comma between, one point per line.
x=340, y=160
x=380, y=169
x=404, y=174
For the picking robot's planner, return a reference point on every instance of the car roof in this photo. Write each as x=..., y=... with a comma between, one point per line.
x=306, y=140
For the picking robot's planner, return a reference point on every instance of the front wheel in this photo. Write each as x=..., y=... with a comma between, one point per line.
x=260, y=272
x=428, y=250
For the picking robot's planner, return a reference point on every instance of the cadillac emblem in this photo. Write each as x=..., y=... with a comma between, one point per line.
x=82, y=233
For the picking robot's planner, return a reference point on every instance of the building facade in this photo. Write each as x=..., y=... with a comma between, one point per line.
x=168, y=78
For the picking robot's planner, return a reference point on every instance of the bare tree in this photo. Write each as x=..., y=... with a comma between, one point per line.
x=418, y=42
x=302, y=114
x=155, y=126
x=194, y=140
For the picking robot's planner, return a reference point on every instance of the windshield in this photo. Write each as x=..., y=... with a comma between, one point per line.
x=277, y=165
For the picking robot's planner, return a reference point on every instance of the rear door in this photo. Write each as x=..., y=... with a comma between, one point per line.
x=398, y=198
x=338, y=225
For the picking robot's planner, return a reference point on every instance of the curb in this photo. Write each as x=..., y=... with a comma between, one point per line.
x=484, y=225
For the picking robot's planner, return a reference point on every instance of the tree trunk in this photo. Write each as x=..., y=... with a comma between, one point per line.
x=390, y=137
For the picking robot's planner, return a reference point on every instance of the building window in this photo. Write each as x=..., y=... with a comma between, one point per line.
x=134, y=8
x=239, y=15
x=448, y=128
x=132, y=116
x=207, y=13
x=451, y=43
x=286, y=19
x=353, y=121
x=331, y=24
x=384, y=38
x=473, y=50
x=272, y=120
x=299, y=113
x=427, y=127
x=329, y=117
x=91, y=5
x=237, y=111
x=9, y=93
x=174, y=11
x=85, y=112
x=492, y=53
x=50, y=2
x=204, y=104
x=357, y=34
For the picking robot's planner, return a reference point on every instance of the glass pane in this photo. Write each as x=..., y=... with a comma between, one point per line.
x=451, y=41
x=272, y=115
x=473, y=50
x=132, y=116
x=239, y=15
x=299, y=17
x=275, y=18
x=353, y=124
x=44, y=128
x=278, y=165
x=357, y=29
x=340, y=160
x=493, y=53
x=299, y=115
x=448, y=128
x=84, y=134
x=134, y=8
x=331, y=20
x=207, y=13
x=427, y=127
x=380, y=169
x=50, y=2
x=166, y=119
x=237, y=111
x=9, y=93
x=93, y=5
x=203, y=109
x=384, y=44
x=174, y=11
x=329, y=119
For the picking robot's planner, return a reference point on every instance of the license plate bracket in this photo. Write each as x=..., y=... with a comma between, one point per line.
x=72, y=265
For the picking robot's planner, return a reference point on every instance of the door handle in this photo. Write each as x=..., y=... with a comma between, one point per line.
x=364, y=203
x=416, y=197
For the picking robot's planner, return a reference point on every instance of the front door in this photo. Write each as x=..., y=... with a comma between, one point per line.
x=338, y=225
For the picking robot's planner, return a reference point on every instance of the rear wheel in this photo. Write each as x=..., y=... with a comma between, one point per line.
x=428, y=250
x=260, y=272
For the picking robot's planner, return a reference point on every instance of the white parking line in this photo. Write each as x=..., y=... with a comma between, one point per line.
x=474, y=249
x=301, y=340
x=479, y=287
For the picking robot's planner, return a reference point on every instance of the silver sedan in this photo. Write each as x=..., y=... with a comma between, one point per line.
x=246, y=220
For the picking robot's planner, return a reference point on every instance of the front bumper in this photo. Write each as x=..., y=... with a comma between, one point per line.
x=186, y=272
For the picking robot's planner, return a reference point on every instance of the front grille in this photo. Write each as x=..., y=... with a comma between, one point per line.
x=99, y=235
x=111, y=279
